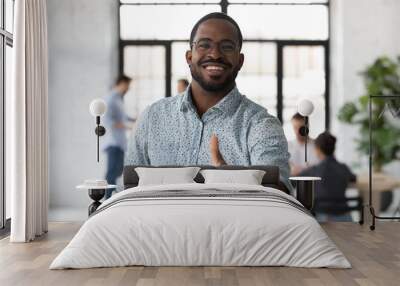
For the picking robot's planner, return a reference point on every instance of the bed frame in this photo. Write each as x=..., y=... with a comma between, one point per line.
x=270, y=179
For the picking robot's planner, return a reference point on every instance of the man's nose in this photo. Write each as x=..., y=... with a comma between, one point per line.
x=215, y=52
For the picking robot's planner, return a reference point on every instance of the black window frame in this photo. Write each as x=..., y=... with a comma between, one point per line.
x=6, y=39
x=280, y=44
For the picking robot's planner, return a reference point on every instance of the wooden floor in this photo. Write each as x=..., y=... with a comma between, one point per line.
x=375, y=257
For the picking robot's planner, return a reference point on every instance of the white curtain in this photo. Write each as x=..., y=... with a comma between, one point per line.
x=29, y=122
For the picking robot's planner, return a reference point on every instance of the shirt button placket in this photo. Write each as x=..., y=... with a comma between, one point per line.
x=197, y=141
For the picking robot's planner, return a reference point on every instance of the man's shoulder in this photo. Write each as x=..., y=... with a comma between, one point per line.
x=109, y=97
x=112, y=97
x=165, y=105
x=256, y=112
x=342, y=165
x=312, y=171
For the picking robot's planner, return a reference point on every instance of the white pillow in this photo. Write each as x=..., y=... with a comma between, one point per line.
x=166, y=176
x=248, y=177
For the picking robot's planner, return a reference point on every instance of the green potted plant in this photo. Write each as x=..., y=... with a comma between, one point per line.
x=381, y=78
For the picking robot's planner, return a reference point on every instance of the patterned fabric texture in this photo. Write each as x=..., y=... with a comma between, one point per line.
x=170, y=132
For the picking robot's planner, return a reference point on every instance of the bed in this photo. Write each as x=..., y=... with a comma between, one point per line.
x=197, y=224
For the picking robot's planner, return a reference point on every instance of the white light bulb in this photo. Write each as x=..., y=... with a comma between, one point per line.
x=98, y=107
x=305, y=107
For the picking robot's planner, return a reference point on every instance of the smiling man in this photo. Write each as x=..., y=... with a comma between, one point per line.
x=212, y=123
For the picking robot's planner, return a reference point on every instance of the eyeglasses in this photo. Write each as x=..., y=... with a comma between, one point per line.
x=226, y=47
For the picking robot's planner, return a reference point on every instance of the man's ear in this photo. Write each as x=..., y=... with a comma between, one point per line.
x=188, y=56
x=241, y=60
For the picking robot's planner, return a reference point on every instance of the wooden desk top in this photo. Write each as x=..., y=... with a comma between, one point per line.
x=380, y=182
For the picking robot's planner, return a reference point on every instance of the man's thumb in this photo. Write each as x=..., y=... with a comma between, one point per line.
x=214, y=143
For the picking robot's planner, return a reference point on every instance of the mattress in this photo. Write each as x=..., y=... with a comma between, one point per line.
x=201, y=225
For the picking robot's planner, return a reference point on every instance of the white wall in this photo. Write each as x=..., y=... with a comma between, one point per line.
x=362, y=30
x=83, y=61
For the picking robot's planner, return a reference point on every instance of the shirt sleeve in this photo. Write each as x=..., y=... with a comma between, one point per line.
x=267, y=145
x=137, y=146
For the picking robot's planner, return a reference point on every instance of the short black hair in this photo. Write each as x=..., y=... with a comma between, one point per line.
x=122, y=78
x=326, y=143
x=297, y=116
x=184, y=80
x=216, y=15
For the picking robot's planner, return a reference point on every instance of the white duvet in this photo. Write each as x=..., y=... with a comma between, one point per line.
x=200, y=231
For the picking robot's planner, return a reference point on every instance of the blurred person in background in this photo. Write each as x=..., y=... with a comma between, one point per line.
x=116, y=124
x=330, y=199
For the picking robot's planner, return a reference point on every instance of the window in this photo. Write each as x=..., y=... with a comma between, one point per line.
x=6, y=42
x=146, y=65
x=303, y=77
x=180, y=68
x=257, y=78
x=286, y=47
x=160, y=24
x=294, y=22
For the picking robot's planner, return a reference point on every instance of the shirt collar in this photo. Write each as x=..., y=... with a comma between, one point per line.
x=227, y=105
x=187, y=102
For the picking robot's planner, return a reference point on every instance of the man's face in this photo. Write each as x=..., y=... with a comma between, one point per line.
x=297, y=124
x=215, y=59
x=124, y=87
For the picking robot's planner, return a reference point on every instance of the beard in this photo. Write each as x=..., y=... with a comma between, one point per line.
x=211, y=86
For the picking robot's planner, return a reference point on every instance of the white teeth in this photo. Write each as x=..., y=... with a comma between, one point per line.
x=214, y=68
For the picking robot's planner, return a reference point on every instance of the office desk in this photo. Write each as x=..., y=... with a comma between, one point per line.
x=380, y=183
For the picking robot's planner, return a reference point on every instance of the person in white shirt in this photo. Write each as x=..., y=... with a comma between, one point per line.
x=296, y=148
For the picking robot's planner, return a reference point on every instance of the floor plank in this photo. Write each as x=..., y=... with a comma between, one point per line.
x=375, y=257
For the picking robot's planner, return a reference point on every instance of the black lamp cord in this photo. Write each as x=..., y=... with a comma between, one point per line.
x=98, y=137
x=305, y=145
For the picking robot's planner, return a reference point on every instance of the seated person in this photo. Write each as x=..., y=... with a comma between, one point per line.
x=212, y=123
x=330, y=191
x=296, y=148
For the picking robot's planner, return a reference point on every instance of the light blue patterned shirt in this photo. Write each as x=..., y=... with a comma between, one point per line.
x=114, y=137
x=170, y=132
